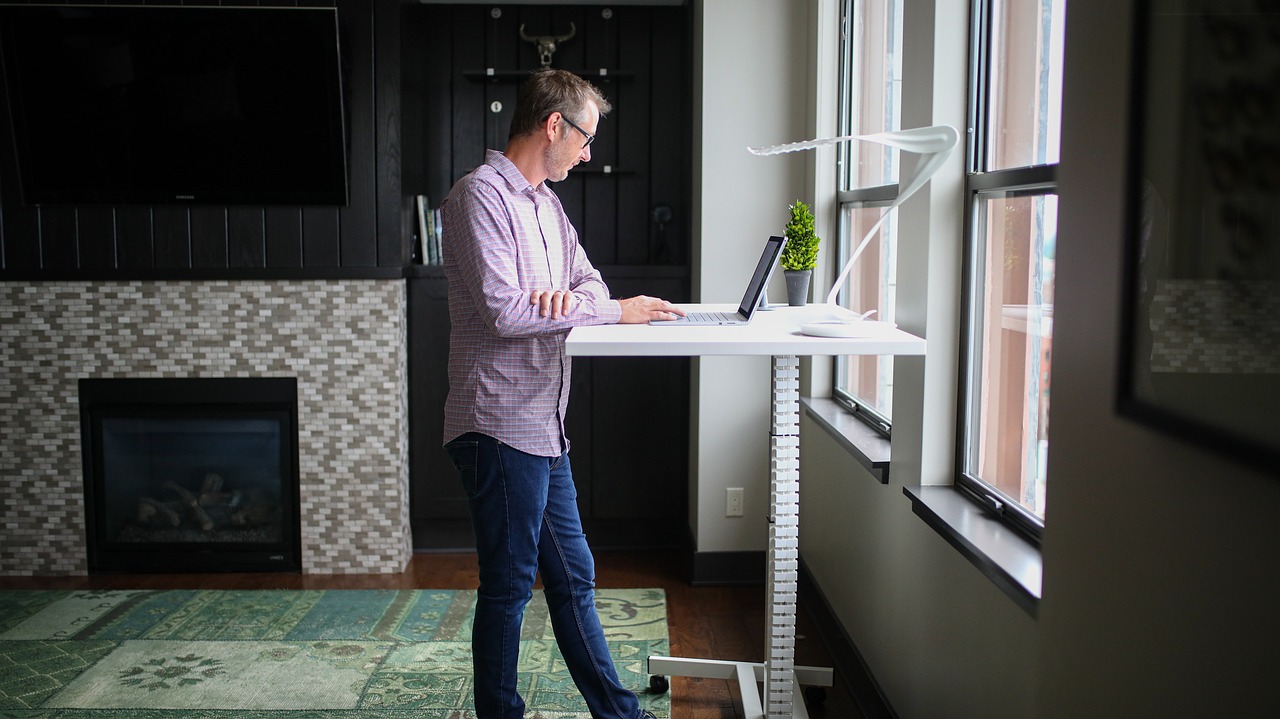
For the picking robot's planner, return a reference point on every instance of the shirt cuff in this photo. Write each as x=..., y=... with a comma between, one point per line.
x=611, y=311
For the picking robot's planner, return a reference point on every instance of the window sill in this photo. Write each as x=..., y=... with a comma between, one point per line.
x=1005, y=557
x=868, y=447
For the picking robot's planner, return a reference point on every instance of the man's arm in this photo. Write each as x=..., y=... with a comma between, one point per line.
x=634, y=310
x=586, y=282
x=483, y=253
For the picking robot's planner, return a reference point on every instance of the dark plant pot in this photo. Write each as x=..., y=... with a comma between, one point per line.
x=798, y=287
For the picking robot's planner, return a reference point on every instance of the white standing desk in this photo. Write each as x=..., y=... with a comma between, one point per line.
x=774, y=333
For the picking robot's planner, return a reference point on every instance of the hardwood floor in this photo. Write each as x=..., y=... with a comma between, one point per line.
x=707, y=622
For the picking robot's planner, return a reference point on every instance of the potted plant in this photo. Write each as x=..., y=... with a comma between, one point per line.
x=800, y=253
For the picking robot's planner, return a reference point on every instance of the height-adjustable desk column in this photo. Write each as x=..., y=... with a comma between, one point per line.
x=775, y=334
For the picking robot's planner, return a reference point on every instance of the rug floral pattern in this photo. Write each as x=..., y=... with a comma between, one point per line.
x=277, y=654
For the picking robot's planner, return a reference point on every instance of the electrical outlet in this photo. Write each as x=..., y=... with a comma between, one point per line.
x=733, y=502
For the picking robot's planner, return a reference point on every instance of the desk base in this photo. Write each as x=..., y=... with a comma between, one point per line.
x=778, y=673
x=748, y=674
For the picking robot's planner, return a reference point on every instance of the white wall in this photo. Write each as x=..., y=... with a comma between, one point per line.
x=752, y=90
x=939, y=637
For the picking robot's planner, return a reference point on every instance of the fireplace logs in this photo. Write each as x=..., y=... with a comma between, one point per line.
x=197, y=514
x=151, y=511
x=215, y=514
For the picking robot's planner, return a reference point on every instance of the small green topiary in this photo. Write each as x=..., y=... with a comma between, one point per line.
x=801, y=251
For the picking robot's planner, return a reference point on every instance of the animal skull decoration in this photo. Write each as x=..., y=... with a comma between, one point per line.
x=547, y=44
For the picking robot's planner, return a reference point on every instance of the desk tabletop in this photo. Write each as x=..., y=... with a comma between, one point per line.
x=770, y=332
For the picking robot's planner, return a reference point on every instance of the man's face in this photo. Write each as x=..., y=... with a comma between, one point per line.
x=568, y=149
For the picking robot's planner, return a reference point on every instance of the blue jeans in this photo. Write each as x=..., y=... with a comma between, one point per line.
x=524, y=510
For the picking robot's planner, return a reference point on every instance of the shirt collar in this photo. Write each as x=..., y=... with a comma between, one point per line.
x=509, y=172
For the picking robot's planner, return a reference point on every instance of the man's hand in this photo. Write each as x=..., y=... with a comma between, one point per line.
x=641, y=309
x=553, y=303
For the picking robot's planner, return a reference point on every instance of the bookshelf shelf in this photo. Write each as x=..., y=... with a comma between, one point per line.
x=494, y=75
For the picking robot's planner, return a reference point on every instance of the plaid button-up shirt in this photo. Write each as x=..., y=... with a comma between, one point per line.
x=508, y=373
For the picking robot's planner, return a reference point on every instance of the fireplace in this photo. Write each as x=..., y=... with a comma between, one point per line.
x=191, y=475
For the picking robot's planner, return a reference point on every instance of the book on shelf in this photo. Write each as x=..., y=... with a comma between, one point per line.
x=427, y=249
x=437, y=230
x=420, y=250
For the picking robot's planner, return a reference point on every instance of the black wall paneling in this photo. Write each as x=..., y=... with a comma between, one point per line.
x=246, y=238
x=391, y=243
x=171, y=233
x=321, y=230
x=670, y=125
x=435, y=493
x=464, y=63
x=135, y=249
x=96, y=245
x=638, y=483
x=365, y=238
x=283, y=229
x=208, y=237
x=58, y=231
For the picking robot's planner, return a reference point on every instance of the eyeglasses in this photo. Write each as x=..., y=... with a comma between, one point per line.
x=590, y=138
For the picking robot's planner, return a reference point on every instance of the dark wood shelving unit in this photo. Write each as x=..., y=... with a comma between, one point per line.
x=601, y=76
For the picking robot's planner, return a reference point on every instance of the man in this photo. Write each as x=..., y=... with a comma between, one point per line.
x=518, y=281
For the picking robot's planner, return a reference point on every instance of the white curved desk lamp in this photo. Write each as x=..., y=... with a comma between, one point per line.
x=934, y=144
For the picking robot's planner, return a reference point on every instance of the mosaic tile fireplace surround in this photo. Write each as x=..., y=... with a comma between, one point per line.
x=344, y=341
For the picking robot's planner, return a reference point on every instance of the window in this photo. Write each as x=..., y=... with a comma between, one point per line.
x=1015, y=95
x=871, y=64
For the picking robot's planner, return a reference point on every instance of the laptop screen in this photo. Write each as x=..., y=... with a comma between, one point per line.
x=760, y=280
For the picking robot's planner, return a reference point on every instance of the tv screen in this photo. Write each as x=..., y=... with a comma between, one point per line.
x=186, y=105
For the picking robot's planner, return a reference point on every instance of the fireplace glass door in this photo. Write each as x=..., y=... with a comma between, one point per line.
x=191, y=475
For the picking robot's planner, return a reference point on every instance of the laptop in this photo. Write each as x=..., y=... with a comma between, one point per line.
x=750, y=300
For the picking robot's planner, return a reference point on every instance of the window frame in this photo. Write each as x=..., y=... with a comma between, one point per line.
x=848, y=197
x=981, y=184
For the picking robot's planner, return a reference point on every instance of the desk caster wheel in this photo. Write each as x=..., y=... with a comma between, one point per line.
x=658, y=684
x=815, y=696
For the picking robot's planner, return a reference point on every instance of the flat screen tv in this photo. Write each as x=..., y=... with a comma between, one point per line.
x=150, y=104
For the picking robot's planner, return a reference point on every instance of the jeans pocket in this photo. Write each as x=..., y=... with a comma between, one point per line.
x=462, y=453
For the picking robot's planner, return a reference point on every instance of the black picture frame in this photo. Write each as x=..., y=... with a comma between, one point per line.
x=1200, y=344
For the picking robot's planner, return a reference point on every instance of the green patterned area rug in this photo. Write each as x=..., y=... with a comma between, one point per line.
x=283, y=654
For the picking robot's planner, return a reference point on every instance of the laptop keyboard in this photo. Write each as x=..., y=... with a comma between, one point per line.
x=711, y=317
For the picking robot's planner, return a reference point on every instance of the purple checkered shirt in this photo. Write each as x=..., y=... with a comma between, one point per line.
x=508, y=372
